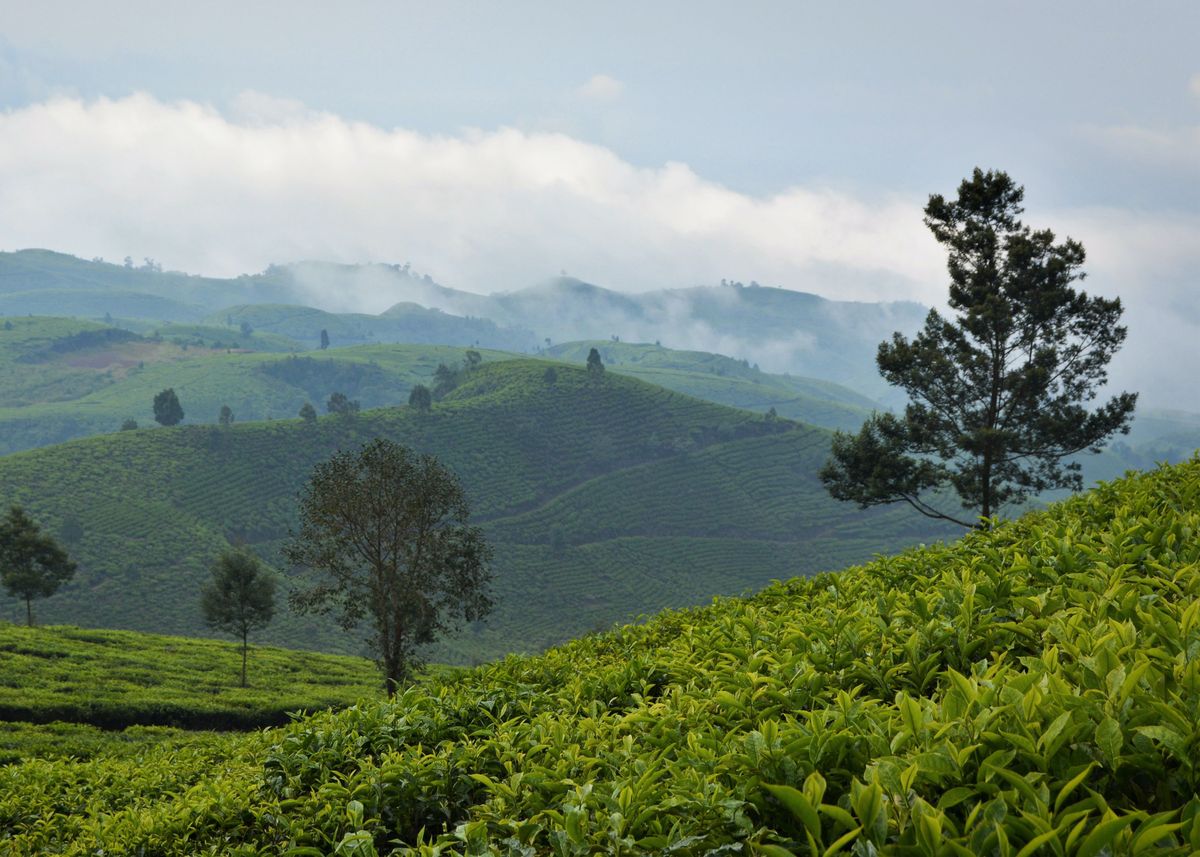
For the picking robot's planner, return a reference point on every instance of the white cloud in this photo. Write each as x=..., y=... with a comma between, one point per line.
x=272, y=182
x=1194, y=84
x=206, y=192
x=601, y=87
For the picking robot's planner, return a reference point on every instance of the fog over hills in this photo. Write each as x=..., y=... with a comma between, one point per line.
x=779, y=329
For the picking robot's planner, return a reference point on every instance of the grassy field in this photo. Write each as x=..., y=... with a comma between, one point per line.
x=1031, y=690
x=117, y=679
x=605, y=500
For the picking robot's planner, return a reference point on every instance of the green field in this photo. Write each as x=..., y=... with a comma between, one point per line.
x=116, y=679
x=1031, y=690
x=605, y=499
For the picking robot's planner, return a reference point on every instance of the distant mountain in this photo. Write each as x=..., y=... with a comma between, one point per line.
x=778, y=329
x=605, y=498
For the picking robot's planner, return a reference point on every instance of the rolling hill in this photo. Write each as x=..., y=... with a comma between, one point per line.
x=1029, y=690
x=727, y=381
x=67, y=378
x=605, y=498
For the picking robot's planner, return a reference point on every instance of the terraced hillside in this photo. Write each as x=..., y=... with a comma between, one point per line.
x=117, y=679
x=66, y=378
x=1031, y=690
x=606, y=498
x=727, y=381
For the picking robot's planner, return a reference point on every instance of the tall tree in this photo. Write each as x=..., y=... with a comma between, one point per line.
x=32, y=565
x=997, y=394
x=387, y=531
x=324, y=339
x=167, y=410
x=239, y=598
x=308, y=413
x=595, y=366
x=225, y=417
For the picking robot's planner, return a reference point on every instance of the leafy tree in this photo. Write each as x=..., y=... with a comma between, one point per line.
x=225, y=417
x=324, y=339
x=129, y=425
x=420, y=398
x=239, y=598
x=473, y=359
x=996, y=393
x=550, y=376
x=594, y=365
x=32, y=565
x=167, y=410
x=308, y=413
x=340, y=404
x=387, y=530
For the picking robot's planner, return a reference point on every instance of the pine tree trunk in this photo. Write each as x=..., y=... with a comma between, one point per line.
x=244, y=647
x=29, y=611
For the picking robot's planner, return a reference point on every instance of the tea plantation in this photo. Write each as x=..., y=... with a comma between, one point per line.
x=117, y=679
x=605, y=498
x=1030, y=690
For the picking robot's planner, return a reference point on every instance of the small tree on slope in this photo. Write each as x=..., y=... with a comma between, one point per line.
x=387, y=530
x=32, y=565
x=239, y=598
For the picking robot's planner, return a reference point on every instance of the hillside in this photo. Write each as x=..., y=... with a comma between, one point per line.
x=1024, y=691
x=726, y=381
x=66, y=378
x=606, y=499
x=117, y=679
x=63, y=378
x=781, y=329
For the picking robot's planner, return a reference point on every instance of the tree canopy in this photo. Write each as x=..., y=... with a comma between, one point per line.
x=167, y=410
x=32, y=565
x=998, y=393
x=420, y=398
x=387, y=532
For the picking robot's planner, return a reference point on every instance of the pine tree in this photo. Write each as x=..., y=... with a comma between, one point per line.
x=997, y=393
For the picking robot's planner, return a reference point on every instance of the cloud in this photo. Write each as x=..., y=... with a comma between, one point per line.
x=1176, y=149
x=268, y=181
x=601, y=87
x=1194, y=84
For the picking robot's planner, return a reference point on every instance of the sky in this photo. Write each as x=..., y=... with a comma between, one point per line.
x=634, y=145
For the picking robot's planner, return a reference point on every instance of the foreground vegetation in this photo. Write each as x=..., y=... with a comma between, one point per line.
x=1029, y=690
x=117, y=679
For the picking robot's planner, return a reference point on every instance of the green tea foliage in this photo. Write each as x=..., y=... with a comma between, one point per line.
x=1030, y=690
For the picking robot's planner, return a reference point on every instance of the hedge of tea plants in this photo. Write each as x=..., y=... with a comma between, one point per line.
x=1030, y=690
